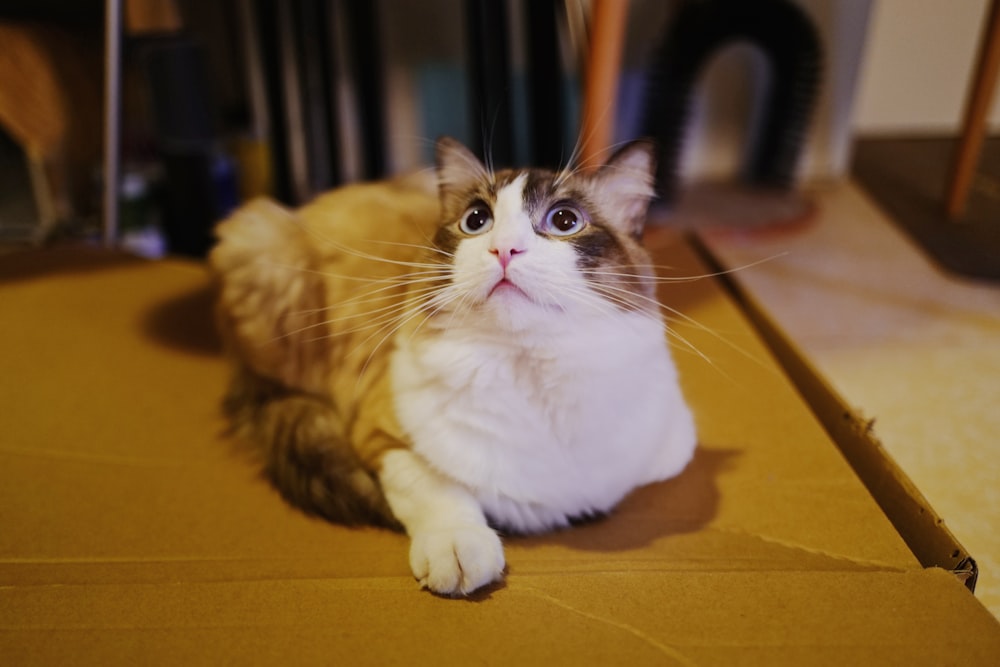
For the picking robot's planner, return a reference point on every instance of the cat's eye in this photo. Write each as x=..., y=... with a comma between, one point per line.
x=564, y=220
x=477, y=220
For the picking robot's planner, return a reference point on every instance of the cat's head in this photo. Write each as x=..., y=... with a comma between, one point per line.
x=527, y=243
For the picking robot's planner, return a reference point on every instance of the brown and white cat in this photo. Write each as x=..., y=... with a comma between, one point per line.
x=481, y=353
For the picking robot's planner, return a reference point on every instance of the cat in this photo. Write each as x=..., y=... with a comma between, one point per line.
x=455, y=353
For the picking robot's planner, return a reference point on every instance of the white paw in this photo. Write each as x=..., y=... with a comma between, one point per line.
x=456, y=560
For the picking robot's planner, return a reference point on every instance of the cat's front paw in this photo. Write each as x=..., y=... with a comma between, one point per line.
x=456, y=560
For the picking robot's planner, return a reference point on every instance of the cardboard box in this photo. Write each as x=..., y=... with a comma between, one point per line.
x=132, y=532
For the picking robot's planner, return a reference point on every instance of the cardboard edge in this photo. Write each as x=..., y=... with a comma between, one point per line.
x=904, y=505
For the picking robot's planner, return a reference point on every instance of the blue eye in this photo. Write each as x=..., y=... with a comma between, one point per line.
x=564, y=220
x=477, y=220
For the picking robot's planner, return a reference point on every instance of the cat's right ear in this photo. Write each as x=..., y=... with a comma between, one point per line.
x=458, y=170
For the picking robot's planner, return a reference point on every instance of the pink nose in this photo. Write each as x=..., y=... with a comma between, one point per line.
x=505, y=255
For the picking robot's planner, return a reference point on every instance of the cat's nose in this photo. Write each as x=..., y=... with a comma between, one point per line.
x=506, y=254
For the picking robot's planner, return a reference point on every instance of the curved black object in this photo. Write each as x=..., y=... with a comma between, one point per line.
x=699, y=29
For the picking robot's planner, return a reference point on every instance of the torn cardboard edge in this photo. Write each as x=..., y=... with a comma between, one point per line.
x=901, y=501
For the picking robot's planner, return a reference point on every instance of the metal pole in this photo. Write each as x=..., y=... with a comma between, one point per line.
x=112, y=112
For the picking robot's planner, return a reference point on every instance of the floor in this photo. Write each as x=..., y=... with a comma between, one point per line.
x=909, y=345
x=907, y=176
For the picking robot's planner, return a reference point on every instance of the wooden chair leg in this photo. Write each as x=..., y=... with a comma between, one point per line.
x=977, y=108
x=607, y=36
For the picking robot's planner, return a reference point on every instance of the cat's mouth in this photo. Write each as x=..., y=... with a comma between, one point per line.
x=505, y=286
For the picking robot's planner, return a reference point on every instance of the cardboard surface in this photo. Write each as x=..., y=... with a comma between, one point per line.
x=131, y=531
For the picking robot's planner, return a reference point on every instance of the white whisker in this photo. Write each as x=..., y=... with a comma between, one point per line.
x=416, y=246
x=676, y=316
x=679, y=279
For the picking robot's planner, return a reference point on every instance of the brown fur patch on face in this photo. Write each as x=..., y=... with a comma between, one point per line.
x=447, y=239
x=613, y=262
x=609, y=256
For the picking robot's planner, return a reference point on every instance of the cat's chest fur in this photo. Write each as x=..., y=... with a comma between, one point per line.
x=548, y=425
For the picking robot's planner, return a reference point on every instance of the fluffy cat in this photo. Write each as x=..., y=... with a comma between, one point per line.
x=453, y=358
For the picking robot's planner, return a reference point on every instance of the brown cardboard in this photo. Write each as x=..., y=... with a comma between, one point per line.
x=131, y=532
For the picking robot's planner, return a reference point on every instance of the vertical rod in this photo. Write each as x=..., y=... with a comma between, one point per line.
x=977, y=107
x=607, y=35
x=112, y=117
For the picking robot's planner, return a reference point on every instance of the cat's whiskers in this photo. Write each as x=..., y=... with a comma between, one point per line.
x=621, y=300
x=572, y=165
x=653, y=313
x=331, y=321
x=375, y=317
x=388, y=328
x=415, y=246
x=372, y=296
x=578, y=294
x=390, y=331
x=438, y=294
x=454, y=309
x=394, y=291
x=389, y=290
x=565, y=173
x=427, y=269
x=281, y=265
x=354, y=252
x=638, y=277
x=675, y=316
x=464, y=289
x=410, y=312
x=585, y=298
x=573, y=168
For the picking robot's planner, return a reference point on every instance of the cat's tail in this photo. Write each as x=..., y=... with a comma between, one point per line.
x=270, y=316
x=299, y=441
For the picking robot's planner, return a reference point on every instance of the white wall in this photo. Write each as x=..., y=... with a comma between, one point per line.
x=918, y=62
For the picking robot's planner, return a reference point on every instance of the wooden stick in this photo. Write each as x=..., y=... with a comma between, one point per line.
x=601, y=87
x=977, y=107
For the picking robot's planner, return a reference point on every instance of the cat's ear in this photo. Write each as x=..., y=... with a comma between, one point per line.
x=625, y=183
x=458, y=169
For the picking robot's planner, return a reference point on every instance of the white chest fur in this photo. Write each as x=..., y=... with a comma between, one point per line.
x=549, y=426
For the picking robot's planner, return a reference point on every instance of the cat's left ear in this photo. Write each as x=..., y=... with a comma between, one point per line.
x=458, y=170
x=626, y=183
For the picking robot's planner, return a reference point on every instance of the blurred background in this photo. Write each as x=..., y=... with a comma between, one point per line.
x=225, y=100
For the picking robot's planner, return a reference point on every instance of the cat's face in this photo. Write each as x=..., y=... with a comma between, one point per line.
x=532, y=243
